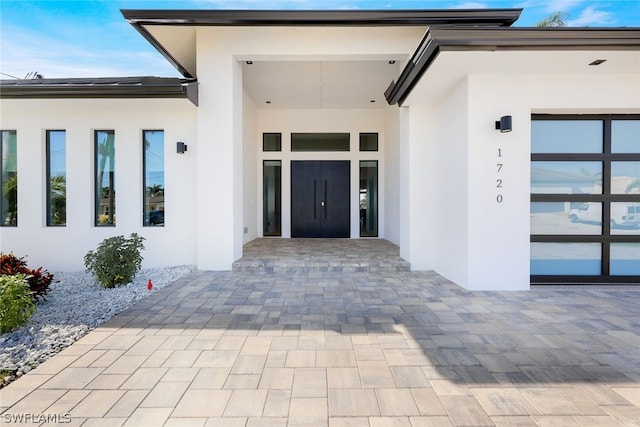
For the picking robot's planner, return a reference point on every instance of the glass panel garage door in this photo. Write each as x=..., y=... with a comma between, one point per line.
x=585, y=199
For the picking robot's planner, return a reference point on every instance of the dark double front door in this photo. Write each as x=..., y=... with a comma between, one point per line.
x=320, y=198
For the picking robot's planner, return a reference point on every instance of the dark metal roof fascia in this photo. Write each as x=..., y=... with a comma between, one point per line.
x=493, y=17
x=426, y=52
x=467, y=39
x=146, y=87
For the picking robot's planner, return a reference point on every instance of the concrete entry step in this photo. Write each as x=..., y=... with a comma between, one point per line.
x=348, y=255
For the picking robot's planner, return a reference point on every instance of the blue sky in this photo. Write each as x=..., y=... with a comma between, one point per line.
x=92, y=39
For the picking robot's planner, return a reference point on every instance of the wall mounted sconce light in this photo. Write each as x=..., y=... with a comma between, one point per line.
x=181, y=147
x=504, y=124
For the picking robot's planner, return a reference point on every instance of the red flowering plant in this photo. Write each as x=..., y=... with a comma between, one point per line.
x=39, y=280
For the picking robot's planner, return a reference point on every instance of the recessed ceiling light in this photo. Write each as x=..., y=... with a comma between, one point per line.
x=598, y=62
x=249, y=62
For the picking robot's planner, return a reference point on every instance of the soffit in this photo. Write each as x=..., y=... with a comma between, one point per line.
x=524, y=41
x=318, y=84
x=159, y=27
x=177, y=44
x=451, y=67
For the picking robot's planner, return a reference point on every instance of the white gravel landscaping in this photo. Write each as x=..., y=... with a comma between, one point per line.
x=75, y=305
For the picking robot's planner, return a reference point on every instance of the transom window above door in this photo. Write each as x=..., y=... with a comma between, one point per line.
x=320, y=141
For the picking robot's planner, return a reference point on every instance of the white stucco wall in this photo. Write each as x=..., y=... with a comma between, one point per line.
x=477, y=242
x=437, y=180
x=63, y=248
x=499, y=233
x=391, y=181
x=219, y=162
x=250, y=170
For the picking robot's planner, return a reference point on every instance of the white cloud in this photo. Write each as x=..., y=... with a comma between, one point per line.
x=271, y=4
x=470, y=5
x=591, y=17
x=561, y=5
x=28, y=51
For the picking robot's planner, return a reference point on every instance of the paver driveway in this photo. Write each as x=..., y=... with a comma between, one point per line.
x=346, y=349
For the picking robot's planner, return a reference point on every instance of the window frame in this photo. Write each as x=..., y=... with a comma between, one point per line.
x=97, y=194
x=306, y=136
x=361, y=135
x=2, y=142
x=48, y=175
x=264, y=138
x=278, y=204
x=144, y=178
x=605, y=238
x=377, y=208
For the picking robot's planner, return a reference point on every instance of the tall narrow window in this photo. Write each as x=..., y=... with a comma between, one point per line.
x=369, y=198
x=272, y=198
x=105, y=179
x=9, y=178
x=153, y=166
x=56, y=177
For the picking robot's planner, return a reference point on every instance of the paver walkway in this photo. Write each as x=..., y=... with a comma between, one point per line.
x=327, y=348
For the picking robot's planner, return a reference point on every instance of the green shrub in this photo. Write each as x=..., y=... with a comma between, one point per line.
x=116, y=260
x=16, y=303
x=39, y=280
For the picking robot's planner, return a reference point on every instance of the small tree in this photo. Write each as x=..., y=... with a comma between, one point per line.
x=116, y=260
x=555, y=20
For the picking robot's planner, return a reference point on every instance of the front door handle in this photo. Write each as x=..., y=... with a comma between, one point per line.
x=325, y=197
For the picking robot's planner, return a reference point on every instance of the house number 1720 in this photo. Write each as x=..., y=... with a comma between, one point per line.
x=499, y=183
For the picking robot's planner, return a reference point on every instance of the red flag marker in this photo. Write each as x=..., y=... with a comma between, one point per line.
x=149, y=285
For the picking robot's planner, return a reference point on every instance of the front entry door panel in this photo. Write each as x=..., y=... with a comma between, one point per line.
x=320, y=198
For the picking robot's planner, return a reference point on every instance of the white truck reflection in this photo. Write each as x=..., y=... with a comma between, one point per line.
x=622, y=214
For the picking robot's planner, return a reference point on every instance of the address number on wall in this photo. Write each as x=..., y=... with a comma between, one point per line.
x=499, y=180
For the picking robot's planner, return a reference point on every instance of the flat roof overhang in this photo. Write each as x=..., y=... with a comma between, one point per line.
x=125, y=87
x=493, y=17
x=182, y=56
x=437, y=40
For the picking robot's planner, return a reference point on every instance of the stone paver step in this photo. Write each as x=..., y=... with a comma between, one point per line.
x=319, y=255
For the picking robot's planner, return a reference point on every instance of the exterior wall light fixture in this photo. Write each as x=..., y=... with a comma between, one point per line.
x=181, y=147
x=504, y=124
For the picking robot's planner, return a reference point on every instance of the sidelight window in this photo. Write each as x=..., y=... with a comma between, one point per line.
x=369, y=198
x=272, y=198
